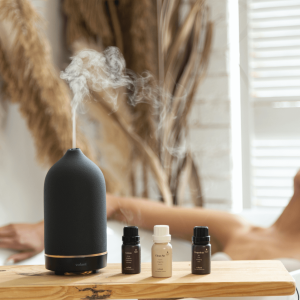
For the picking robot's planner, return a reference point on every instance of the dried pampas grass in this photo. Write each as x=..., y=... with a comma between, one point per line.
x=87, y=21
x=177, y=55
x=184, y=68
x=31, y=81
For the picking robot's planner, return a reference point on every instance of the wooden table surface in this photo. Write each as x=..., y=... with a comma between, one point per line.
x=227, y=279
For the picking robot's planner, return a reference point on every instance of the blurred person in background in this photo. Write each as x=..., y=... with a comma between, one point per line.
x=239, y=240
x=236, y=237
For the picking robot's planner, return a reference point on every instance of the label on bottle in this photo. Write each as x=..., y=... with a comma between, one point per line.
x=201, y=259
x=162, y=261
x=131, y=259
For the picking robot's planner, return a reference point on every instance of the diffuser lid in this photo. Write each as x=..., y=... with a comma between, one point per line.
x=161, y=234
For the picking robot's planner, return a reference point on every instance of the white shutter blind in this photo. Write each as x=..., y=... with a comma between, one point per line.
x=274, y=49
x=274, y=77
x=275, y=162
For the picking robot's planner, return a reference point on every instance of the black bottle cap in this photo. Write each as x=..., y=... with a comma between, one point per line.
x=201, y=236
x=131, y=235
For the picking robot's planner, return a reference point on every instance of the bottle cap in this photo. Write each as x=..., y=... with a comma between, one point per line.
x=161, y=234
x=131, y=235
x=201, y=235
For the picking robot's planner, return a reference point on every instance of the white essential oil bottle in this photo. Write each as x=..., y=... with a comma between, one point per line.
x=161, y=252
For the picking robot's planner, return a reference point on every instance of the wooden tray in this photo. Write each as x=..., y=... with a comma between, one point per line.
x=228, y=279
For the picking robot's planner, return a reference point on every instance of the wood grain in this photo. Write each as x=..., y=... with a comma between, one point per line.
x=228, y=279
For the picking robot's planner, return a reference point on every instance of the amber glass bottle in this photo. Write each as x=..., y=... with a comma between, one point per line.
x=131, y=251
x=201, y=251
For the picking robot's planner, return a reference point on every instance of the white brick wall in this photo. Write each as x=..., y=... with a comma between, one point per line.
x=210, y=118
x=218, y=62
x=210, y=113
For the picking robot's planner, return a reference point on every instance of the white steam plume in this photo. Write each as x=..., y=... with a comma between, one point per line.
x=106, y=72
x=90, y=69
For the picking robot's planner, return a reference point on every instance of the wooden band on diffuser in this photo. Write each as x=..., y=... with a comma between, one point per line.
x=73, y=256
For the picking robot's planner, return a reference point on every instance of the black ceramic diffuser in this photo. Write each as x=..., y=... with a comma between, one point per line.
x=75, y=215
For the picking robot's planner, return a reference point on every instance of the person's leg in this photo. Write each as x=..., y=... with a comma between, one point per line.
x=281, y=240
x=289, y=220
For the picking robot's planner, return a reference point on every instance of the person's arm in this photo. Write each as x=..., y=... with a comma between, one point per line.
x=26, y=238
x=146, y=214
x=29, y=238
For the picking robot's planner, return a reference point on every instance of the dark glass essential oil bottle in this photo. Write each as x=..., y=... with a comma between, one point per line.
x=201, y=251
x=131, y=251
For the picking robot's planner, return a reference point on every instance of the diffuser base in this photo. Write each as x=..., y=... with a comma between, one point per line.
x=75, y=264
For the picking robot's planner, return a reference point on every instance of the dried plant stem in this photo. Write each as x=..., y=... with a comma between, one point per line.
x=145, y=192
x=178, y=55
x=188, y=68
x=181, y=39
x=116, y=25
x=133, y=175
x=152, y=159
x=181, y=93
x=160, y=38
x=169, y=26
x=86, y=21
x=183, y=179
x=195, y=185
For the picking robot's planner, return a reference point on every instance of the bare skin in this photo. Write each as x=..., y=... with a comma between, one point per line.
x=26, y=238
x=239, y=239
x=281, y=240
x=145, y=214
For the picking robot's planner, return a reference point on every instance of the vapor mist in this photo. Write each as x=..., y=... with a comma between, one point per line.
x=106, y=72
